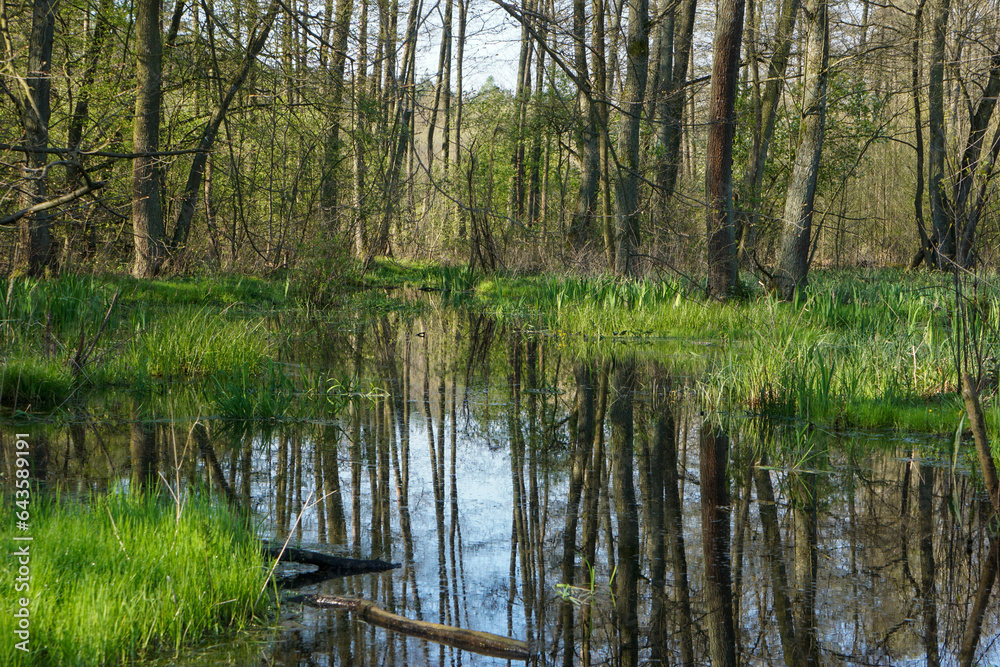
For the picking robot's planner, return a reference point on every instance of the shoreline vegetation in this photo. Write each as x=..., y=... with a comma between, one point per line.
x=120, y=576
x=124, y=575
x=863, y=349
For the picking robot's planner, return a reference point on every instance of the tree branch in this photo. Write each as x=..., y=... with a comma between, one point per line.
x=12, y=219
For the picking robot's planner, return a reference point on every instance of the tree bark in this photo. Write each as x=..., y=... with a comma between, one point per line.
x=793, y=254
x=673, y=97
x=34, y=246
x=722, y=269
x=764, y=130
x=335, y=81
x=580, y=230
x=971, y=165
x=148, y=231
x=943, y=237
x=627, y=181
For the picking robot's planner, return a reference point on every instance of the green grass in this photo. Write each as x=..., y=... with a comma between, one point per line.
x=189, y=342
x=34, y=383
x=860, y=349
x=129, y=332
x=123, y=576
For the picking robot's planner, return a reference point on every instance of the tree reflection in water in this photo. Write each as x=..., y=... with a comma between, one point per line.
x=589, y=505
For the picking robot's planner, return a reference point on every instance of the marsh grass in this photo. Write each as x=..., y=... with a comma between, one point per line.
x=34, y=384
x=123, y=576
x=188, y=342
x=869, y=349
x=71, y=334
x=247, y=395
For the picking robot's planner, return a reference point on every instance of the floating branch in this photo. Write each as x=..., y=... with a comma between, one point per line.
x=483, y=643
x=339, y=566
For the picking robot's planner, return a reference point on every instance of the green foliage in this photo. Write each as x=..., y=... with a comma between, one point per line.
x=121, y=576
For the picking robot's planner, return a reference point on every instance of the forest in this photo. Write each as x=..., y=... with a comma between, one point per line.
x=676, y=138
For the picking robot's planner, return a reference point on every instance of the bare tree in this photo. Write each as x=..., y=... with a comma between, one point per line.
x=31, y=98
x=148, y=230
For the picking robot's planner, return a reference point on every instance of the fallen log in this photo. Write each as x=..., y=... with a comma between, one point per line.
x=337, y=565
x=483, y=643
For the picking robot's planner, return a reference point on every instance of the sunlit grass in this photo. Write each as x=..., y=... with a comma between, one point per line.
x=188, y=342
x=862, y=349
x=122, y=576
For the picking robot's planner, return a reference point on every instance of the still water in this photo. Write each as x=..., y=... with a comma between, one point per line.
x=594, y=504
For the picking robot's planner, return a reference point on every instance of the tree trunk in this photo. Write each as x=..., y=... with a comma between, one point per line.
x=793, y=254
x=722, y=269
x=627, y=180
x=361, y=128
x=335, y=81
x=672, y=98
x=580, y=230
x=926, y=252
x=943, y=237
x=34, y=245
x=970, y=166
x=148, y=230
x=764, y=129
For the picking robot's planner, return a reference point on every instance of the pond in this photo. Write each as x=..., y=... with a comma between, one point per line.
x=599, y=506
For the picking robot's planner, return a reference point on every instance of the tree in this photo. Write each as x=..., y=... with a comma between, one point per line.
x=670, y=98
x=722, y=270
x=587, y=134
x=793, y=254
x=765, y=118
x=942, y=237
x=148, y=230
x=34, y=251
x=189, y=197
x=627, y=180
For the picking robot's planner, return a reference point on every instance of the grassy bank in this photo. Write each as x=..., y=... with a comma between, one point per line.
x=69, y=334
x=861, y=349
x=124, y=576
x=870, y=349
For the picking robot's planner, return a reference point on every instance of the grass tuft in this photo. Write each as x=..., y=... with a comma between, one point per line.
x=124, y=575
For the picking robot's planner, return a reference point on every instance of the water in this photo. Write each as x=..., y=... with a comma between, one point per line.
x=455, y=457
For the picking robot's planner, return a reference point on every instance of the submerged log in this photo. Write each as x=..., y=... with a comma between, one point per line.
x=336, y=564
x=483, y=643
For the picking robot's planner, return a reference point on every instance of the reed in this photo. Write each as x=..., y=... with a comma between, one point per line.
x=869, y=349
